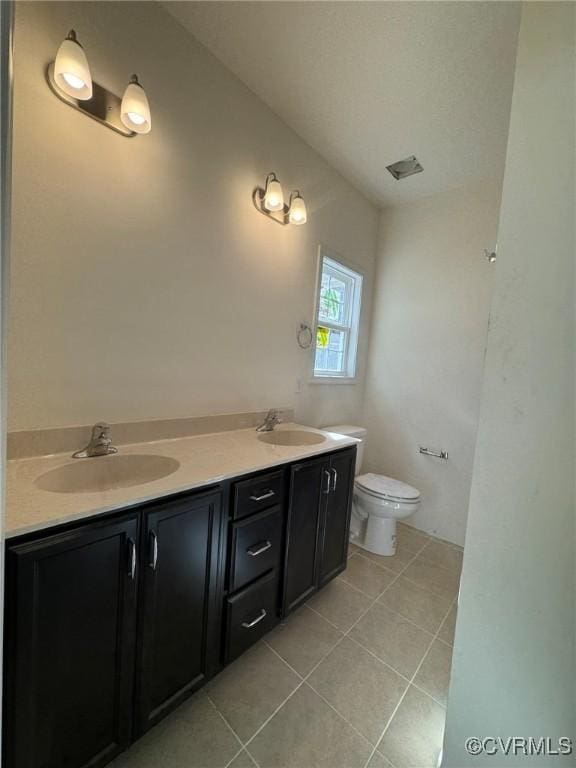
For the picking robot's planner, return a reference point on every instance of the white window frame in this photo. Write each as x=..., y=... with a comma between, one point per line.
x=351, y=328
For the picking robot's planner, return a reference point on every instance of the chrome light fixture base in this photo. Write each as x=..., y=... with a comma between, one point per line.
x=280, y=217
x=104, y=106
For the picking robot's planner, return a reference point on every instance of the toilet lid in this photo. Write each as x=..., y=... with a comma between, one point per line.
x=380, y=485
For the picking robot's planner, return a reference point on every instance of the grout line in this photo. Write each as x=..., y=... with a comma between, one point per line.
x=414, y=557
x=304, y=679
x=372, y=562
x=430, y=591
x=235, y=756
x=401, y=615
x=430, y=536
x=283, y=660
x=228, y=725
x=408, y=688
x=325, y=619
x=340, y=715
x=407, y=680
x=300, y=684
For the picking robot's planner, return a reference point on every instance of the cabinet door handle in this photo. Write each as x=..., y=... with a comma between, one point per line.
x=154, y=550
x=257, y=620
x=265, y=495
x=258, y=549
x=326, y=490
x=334, y=480
x=132, y=558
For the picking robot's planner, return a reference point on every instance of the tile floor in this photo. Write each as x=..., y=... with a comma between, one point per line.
x=357, y=678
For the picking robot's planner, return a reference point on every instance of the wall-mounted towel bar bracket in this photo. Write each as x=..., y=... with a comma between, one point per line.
x=437, y=454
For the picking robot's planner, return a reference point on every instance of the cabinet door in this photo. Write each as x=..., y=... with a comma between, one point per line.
x=70, y=627
x=180, y=541
x=337, y=511
x=308, y=488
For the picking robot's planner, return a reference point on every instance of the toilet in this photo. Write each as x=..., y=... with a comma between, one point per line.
x=378, y=502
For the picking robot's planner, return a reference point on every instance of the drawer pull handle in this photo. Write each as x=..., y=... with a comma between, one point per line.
x=328, y=477
x=258, y=549
x=257, y=620
x=334, y=480
x=154, y=556
x=265, y=495
x=132, y=558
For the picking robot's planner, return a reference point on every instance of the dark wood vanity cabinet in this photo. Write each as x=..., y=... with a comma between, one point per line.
x=335, y=519
x=69, y=657
x=112, y=622
x=319, y=509
x=110, y=625
x=178, y=603
x=254, y=561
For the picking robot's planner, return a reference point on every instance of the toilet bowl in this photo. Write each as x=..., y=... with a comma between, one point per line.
x=378, y=502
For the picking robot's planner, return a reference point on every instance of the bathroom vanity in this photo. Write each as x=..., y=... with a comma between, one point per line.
x=115, y=618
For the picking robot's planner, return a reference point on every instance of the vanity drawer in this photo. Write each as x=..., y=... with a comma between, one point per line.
x=250, y=614
x=258, y=493
x=255, y=546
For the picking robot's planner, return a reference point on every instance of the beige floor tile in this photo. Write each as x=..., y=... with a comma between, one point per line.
x=395, y=563
x=367, y=576
x=353, y=549
x=414, y=737
x=446, y=555
x=307, y=733
x=194, y=736
x=379, y=761
x=303, y=640
x=410, y=539
x=434, y=674
x=417, y=604
x=340, y=604
x=447, y=629
x=243, y=760
x=249, y=690
x=438, y=580
x=361, y=688
x=392, y=638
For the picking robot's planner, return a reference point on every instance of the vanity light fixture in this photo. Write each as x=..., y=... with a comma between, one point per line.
x=135, y=110
x=71, y=70
x=70, y=79
x=269, y=200
x=297, y=212
x=273, y=195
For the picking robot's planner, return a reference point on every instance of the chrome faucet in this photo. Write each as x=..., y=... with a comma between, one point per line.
x=100, y=443
x=272, y=418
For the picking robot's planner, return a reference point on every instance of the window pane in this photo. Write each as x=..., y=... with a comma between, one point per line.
x=330, y=358
x=334, y=298
x=338, y=311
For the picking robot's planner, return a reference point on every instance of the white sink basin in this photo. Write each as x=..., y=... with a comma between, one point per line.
x=105, y=473
x=291, y=437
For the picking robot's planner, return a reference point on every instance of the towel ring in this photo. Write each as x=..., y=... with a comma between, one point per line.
x=304, y=337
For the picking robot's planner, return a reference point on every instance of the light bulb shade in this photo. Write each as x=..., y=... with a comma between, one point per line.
x=297, y=213
x=273, y=197
x=71, y=70
x=135, y=110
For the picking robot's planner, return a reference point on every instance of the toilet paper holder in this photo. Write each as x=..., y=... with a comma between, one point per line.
x=432, y=452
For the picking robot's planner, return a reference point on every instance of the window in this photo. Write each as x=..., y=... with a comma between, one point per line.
x=337, y=316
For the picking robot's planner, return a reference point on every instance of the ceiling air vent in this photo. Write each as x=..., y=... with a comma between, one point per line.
x=404, y=168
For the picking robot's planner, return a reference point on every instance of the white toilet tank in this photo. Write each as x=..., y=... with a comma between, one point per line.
x=351, y=431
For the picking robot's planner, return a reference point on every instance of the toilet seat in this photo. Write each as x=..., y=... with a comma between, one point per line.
x=382, y=487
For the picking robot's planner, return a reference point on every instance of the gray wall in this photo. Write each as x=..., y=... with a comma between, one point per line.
x=427, y=342
x=144, y=283
x=513, y=670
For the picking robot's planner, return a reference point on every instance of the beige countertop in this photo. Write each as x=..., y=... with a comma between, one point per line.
x=204, y=460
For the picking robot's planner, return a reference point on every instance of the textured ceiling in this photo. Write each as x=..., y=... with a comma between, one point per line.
x=370, y=83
